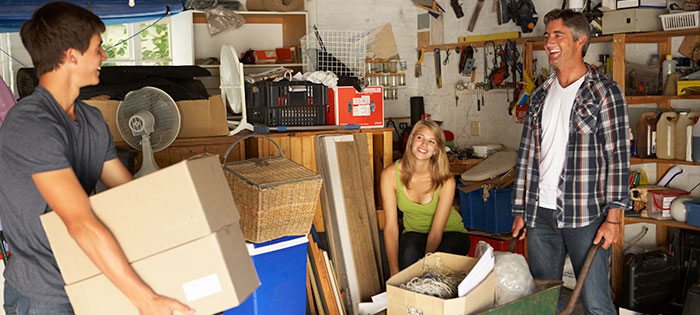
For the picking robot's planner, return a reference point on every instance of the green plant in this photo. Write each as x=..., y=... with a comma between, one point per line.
x=155, y=43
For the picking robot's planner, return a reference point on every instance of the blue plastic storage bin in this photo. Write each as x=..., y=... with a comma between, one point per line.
x=281, y=267
x=693, y=212
x=493, y=216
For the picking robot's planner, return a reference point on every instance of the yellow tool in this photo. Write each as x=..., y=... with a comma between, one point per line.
x=420, y=59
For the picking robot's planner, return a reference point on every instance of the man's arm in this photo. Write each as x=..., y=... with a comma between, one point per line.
x=114, y=173
x=64, y=194
x=616, y=149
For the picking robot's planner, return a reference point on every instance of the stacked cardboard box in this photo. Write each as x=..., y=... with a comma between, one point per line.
x=179, y=230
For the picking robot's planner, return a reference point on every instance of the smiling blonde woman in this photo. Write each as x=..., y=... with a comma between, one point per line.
x=421, y=186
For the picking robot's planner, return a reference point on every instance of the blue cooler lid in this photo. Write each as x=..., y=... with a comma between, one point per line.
x=275, y=245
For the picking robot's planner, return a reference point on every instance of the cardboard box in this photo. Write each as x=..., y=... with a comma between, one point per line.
x=632, y=20
x=210, y=274
x=623, y=4
x=399, y=301
x=200, y=118
x=175, y=205
x=349, y=107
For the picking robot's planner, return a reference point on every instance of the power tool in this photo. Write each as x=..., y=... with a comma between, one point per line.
x=522, y=12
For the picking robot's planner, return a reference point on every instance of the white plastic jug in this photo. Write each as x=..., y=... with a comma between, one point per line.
x=685, y=119
x=665, y=130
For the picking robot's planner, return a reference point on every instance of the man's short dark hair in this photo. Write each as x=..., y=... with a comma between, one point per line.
x=575, y=21
x=54, y=28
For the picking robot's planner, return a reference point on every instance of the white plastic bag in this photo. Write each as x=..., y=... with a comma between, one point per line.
x=513, y=276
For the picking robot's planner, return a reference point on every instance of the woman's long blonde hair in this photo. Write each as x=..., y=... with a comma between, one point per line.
x=439, y=165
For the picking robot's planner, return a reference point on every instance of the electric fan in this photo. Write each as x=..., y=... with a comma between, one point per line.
x=148, y=120
x=233, y=88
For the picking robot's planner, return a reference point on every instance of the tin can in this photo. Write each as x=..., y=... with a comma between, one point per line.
x=385, y=79
x=393, y=79
x=402, y=79
x=368, y=66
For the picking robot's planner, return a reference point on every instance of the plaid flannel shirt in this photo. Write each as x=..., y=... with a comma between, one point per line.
x=596, y=170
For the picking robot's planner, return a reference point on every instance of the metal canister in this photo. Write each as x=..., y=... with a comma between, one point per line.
x=387, y=94
x=393, y=93
x=385, y=65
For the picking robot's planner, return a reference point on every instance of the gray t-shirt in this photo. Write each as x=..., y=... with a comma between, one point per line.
x=38, y=136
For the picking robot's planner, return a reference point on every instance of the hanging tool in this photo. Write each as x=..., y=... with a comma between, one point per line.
x=420, y=59
x=475, y=15
x=447, y=56
x=458, y=88
x=466, y=61
x=522, y=12
x=487, y=78
x=457, y=7
x=438, y=69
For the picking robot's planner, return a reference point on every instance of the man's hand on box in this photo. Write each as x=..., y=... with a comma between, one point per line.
x=159, y=304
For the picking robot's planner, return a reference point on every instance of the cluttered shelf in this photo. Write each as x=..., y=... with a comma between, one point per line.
x=636, y=160
x=671, y=223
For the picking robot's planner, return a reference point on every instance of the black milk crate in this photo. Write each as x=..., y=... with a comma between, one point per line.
x=286, y=103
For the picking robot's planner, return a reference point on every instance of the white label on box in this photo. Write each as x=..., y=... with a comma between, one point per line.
x=361, y=106
x=202, y=287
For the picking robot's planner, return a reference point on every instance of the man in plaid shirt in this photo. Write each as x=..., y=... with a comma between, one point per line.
x=571, y=183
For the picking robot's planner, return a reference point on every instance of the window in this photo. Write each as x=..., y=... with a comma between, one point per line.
x=150, y=47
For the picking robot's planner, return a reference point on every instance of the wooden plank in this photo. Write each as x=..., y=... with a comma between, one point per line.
x=284, y=144
x=339, y=236
x=324, y=278
x=310, y=296
x=666, y=223
x=334, y=281
x=358, y=224
x=308, y=153
x=368, y=191
x=619, y=59
x=295, y=149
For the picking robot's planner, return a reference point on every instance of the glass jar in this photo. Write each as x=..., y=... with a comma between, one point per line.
x=402, y=65
x=393, y=93
x=377, y=66
x=384, y=79
x=387, y=94
x=393, y=66
x=393, y=79
x=402, y=79
x=373, y=79
x=385, y=65
x=368, y=66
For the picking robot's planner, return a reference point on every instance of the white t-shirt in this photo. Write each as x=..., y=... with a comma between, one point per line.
x=556, y=117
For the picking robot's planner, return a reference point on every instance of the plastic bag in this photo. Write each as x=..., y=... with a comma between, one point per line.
x=220, y=18
x=513, y=276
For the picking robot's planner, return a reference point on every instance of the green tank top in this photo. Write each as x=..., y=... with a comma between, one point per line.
x=418, y=217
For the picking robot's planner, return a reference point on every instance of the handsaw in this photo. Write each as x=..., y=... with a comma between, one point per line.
x=475, y=15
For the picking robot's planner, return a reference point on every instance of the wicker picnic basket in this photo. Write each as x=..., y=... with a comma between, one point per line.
x=274, y=195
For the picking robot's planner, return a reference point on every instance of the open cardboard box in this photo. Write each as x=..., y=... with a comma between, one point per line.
x=178, y=228
x=402, y=301
x=200, y=118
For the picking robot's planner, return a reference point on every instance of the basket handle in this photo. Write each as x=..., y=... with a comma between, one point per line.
x=251, y=136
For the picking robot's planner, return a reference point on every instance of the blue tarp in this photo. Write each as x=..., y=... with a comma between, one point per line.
x=13, y=13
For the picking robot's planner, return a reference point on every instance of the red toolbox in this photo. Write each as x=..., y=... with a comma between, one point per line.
x=349, y=107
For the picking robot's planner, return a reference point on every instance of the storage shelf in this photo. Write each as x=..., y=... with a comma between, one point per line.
x=671, y=223
x=636, y=160
x=650, y=99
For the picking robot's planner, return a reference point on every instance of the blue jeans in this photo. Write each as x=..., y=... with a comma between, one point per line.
x=547, y=246
x=412, y=246
x=17, y=303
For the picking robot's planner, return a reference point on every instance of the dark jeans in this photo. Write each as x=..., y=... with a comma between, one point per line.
x=412, y=246
x=17, y=303
x=547, y=246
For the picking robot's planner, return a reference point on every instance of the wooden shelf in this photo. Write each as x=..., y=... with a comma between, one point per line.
x=669, y=223
x=636, y=160
x=650, y=99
